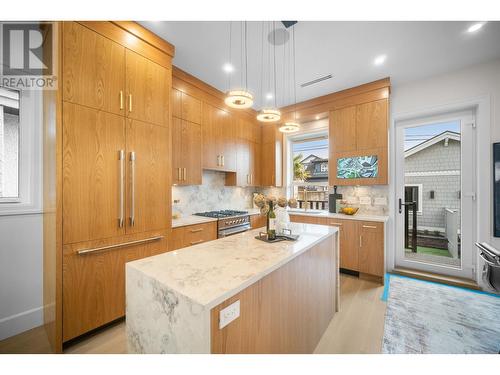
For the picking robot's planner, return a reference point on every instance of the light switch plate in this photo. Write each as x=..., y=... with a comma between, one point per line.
x=228, y=314
x=381, y=201
x=365, y=200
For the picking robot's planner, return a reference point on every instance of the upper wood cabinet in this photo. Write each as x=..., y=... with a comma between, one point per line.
x=186, y=152
x=186, y=107
x=93, y=69
x=359, y=130
x=219, y=139
x=271, y=156
x=93, y=174
x=148, y=89
x=248, y=154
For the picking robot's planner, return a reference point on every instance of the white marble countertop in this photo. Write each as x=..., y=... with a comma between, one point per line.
x=191, y=220
x=357, y=216
x=211, y=272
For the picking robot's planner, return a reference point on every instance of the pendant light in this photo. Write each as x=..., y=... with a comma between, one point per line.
x=239, y=99
x=269, y=114
x=292, y=126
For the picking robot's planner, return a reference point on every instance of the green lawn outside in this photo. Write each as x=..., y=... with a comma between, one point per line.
x=432, y=251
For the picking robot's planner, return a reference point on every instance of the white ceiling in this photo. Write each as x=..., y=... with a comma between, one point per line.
x=344, y=49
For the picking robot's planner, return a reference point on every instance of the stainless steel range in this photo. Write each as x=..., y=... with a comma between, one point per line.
x=229, y=222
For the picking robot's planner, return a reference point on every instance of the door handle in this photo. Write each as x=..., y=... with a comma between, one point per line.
x=132, y=188
x=184, y=173
x=130, y=102
x=218, y=160
x=401, y=204
x=179, y=177
x=121, y=158
x=360, y=241
x=222, y=157
x=370, y=226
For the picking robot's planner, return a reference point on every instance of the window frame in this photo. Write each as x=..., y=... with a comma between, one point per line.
x=30, y=157
x=420, y=210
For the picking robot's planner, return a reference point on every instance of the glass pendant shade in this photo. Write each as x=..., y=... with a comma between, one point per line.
x=239, y=99
x=289, y=127
x=269, y=115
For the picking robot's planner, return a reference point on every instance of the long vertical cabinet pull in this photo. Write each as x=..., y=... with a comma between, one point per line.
x=121, y=157
x=130, y=102
x=132, y=188
x=121, y=99
x=184, y=174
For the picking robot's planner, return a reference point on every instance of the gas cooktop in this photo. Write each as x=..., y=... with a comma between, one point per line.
x=221, y=213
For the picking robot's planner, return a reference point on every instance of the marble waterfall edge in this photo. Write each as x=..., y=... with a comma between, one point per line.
x=151, y=305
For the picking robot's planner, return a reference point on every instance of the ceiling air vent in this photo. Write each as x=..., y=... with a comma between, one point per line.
x=317, y=80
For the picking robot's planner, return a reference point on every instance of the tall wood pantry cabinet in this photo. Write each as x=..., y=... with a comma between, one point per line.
x=112, y=170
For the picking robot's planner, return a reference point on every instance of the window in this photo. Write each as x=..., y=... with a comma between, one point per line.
x=309, y=175
x=413, y=193
x=9, y=145
x=20, y=151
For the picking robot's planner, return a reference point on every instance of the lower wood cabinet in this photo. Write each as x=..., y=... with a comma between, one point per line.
x=361, y=243
x=94, y=282
x=257, y=221
x=193, y=234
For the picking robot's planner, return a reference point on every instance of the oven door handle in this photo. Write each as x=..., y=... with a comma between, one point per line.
x=229, y=231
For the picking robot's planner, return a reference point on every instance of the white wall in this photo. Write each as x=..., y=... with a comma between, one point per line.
x=479, y=83
x=20, y=273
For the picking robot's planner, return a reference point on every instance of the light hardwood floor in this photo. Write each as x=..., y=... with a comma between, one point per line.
x=357, y=328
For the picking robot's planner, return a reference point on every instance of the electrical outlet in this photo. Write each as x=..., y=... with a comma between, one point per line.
x=381, y=201
x=365, y=200
x=228, y=314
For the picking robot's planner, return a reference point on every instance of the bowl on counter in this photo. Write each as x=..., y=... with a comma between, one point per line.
x=349, y=210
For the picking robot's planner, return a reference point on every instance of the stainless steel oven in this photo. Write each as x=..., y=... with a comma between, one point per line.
x=229, y=222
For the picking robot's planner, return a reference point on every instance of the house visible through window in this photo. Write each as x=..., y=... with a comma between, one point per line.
x=9, y=145
x=310, y=172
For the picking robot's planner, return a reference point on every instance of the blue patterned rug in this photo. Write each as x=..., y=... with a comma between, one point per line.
x=426, y=317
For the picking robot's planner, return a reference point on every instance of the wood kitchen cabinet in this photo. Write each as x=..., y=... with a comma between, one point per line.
x=218, y=134
x=148, y=89
x=107, y=140
x=359, y=130
x=92, y=173
x=186, y=152
x=148, y=179
x=258, y=221
x=193, y=234
x=271, y=156
x=361, y=243
x=94, y=284
x=186, y=107
x=371, y=248
x=93, y=69
x=248, y=155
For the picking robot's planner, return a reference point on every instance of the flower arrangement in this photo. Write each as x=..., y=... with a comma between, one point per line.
x=262, y=202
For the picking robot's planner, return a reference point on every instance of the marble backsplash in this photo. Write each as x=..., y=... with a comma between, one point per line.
x=213, y=195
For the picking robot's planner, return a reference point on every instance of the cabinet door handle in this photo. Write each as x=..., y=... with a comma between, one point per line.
x=333, y=223
x=222, y=157
x=132, y=188
x=121, y=158
x=248, y=179
x=251, y=178
x=196, y=230
x=370, y=226
x=179, y=178
x=121, y=99
x=195, y=242
x=184, y=173
x=218, y=160
x=123, y=244
x=360, y=241
x=130, y=102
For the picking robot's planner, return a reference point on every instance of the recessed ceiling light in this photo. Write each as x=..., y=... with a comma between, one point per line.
x=379, y=60
x=475, y=27
x=269, y=95
x=228, y=68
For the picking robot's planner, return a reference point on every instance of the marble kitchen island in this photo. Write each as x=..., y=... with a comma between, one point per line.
x=287, y=294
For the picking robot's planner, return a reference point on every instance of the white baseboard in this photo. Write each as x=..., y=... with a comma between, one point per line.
x=14, y=324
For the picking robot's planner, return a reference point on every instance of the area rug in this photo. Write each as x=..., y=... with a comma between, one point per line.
x=426, y=317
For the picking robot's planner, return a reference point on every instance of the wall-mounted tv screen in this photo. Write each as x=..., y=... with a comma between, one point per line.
x=358, y=167
x=496, y=188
